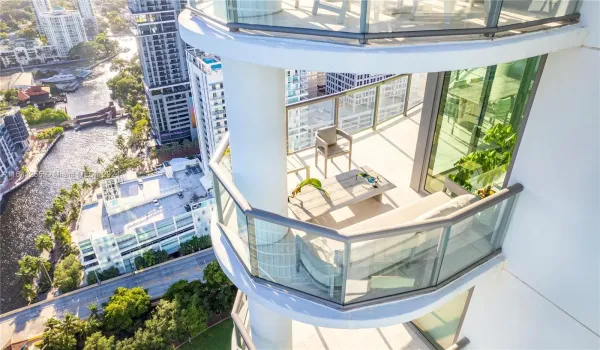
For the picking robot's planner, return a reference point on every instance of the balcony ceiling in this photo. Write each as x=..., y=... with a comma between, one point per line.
x=431, y=56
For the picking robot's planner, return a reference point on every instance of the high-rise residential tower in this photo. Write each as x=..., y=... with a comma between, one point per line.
x=14, y=141
x=64, y=29
x=40, y=7
x=162, y=56
x=208, y=94
x=467, y=219
x=356, y=115
x=88, y=17
x=208, y=91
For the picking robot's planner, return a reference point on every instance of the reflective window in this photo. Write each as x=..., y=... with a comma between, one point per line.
x=478, y=121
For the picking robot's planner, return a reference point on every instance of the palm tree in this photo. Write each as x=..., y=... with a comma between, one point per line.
x=61, y=234
x=44, y=242
x=86, y=171
x=29, y=292
x=29, y=267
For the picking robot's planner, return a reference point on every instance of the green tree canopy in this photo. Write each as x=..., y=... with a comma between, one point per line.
x=63, y=335
x=125, y=309
x=34, y=116
x=128, y=85
x=43, y=242
x=89, y=50
x=67, y=275
x=10, y=96
x=97, y=341
x=28, y=33
x=61, y=233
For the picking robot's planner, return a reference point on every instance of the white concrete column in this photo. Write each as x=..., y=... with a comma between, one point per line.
x=255, y=99
x=269, y=330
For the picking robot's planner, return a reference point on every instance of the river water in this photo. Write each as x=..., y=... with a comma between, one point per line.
x=22, y=218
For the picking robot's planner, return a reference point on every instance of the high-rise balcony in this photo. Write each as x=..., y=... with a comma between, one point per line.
x=389, y=19
x=306, y=336
x=364, y=242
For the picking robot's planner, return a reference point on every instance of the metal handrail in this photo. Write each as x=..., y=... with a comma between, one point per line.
x=344, y=93
x=335, y=98
x=239, y=325
x=488, y=31
x=363, y=235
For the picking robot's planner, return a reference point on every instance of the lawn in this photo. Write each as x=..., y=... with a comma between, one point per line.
x=214, y=338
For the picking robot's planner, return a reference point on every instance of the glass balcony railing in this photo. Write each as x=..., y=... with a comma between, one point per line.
x=376, y=262
x=377, y=19
x=353, y=110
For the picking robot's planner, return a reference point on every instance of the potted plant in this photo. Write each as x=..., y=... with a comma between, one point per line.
x=478, y=170
x=316, y=183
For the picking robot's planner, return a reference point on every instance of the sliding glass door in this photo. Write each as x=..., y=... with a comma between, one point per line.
x=478, y=120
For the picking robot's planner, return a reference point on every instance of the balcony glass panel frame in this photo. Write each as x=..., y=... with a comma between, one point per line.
x=381, y=19
x=343, y=270
x=385, y=99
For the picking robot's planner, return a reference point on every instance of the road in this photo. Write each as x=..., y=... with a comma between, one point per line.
x=29, y=321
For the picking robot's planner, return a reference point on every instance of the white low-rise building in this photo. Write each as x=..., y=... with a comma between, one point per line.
x=135, y=214
x=25, y=52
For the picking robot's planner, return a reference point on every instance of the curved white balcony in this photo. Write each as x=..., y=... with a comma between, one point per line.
x=311, y=53
x=387, y=19
x=374, y=276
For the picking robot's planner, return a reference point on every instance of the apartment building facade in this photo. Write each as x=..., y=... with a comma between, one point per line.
x=501, y=79
x=166, y=80
x=357, y=116
x=14, y=141
x=88, y=16
x=208, y=91
x=24, y=52
x=208, y=96
x=40, y=7
x=63, y=29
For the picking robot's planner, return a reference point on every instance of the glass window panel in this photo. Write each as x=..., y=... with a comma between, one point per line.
x=146, y=235
x=187, y=236
x=290, y=13
x=304, y=121
x=236, y=228
x=440, y=327
x=417, y=89
x=392, y=96
x=356, y=110
x=479, y=118
x=165, y=226
x=297, y=259
x=170, y=246
x=184, y=221
x=414, y=15
x=474, y=238
x=391, y=265
x=519, y=11
x=126, y=241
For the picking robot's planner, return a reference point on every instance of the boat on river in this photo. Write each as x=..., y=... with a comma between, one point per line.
x=59, y=79
x=69, y=87
x=83, y=73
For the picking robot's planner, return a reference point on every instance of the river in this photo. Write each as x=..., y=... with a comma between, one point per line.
x=22, y=218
